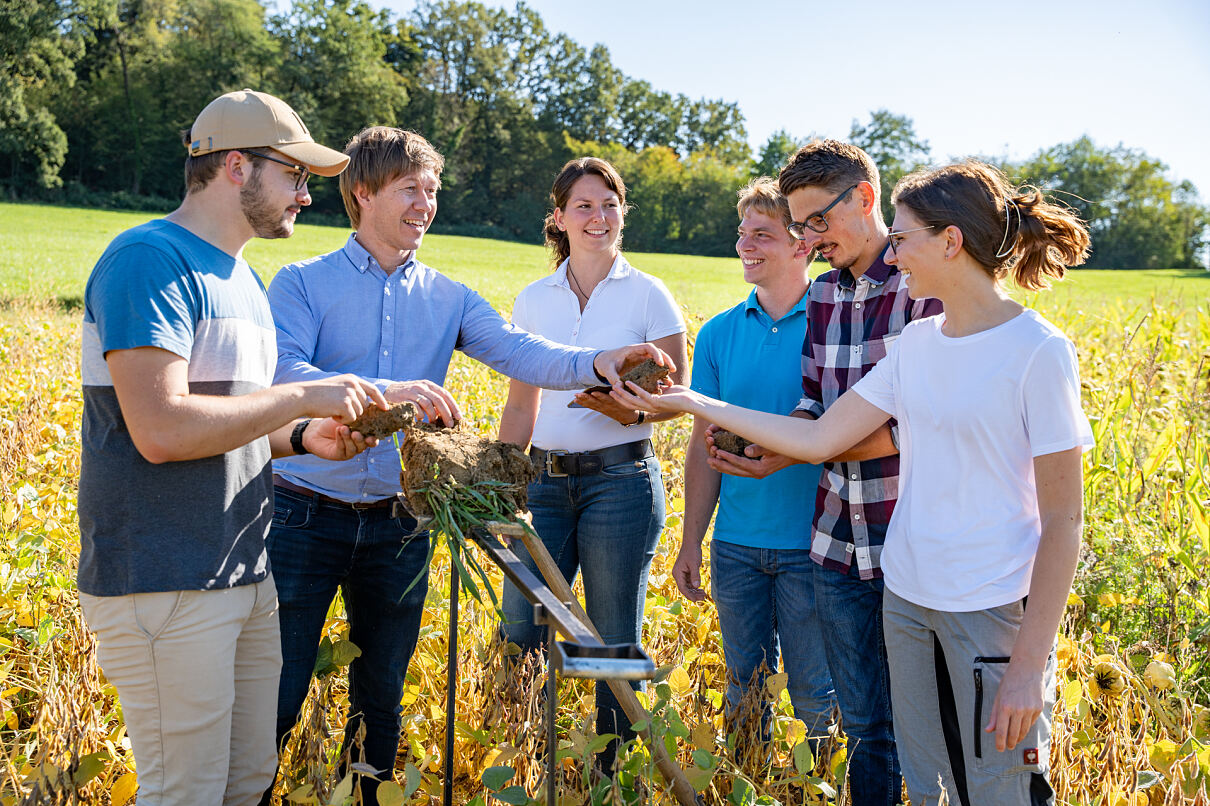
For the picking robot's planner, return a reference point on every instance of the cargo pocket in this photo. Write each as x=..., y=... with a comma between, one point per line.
x=1026, y=757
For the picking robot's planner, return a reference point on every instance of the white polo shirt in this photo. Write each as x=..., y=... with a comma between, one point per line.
x=627, y=307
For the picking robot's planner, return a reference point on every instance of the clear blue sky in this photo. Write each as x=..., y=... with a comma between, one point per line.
x=976, y=77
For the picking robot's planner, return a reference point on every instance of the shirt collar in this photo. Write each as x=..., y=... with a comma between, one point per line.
x=361, y=258
x=753, y=304
x=877, y=274
x=617, y=271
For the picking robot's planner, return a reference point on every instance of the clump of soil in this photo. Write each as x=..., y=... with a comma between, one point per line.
x=431, y=452
x=731, y=443
x=646, y=376
x=374, y=422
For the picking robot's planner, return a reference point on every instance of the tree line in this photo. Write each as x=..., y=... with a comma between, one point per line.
x=93, y=94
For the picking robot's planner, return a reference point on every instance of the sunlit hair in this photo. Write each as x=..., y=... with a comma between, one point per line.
x=560, y=193
x=762, y=195
x=1005, y=228
x=378, y=155
x=830, y=164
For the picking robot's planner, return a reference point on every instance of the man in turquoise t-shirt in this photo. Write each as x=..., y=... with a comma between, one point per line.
x=761, y=571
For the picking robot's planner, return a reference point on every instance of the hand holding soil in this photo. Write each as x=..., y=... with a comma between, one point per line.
x=332, y=440
x=433, y=400
x=727, y=441
x=647, y=374
x=610, y=364
x=340, y=396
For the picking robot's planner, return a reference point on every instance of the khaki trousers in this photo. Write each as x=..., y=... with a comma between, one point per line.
x=196, y=674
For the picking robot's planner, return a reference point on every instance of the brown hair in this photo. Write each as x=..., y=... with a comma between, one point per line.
x=378, y=155
x=200, y=171
x=1006, y=229
x=829, y=164
x=560, y=193
x=762, y=195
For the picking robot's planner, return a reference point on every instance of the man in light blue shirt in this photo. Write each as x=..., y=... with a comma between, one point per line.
x=373, y=310
x=761, y=571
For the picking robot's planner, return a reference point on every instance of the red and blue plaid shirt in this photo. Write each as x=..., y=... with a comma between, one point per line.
x=850, y=325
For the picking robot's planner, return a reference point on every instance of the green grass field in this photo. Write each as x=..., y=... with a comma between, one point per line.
x=48, y=252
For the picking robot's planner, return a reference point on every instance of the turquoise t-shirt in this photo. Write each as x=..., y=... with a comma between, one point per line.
x=743, y=357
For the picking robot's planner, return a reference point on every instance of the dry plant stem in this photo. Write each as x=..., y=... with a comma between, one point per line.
x=682, y=790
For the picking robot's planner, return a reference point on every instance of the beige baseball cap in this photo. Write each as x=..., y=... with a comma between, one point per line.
x=250, y=119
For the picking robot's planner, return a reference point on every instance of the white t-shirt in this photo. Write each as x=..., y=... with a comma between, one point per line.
x=973, y=413
x=627, y=307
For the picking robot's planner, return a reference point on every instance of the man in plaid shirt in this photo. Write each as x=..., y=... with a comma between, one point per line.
x=854, y=312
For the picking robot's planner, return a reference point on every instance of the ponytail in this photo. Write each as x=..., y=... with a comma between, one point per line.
x=1006, y=229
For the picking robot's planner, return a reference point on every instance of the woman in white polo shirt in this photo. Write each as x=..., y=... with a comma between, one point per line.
x=983, y=543
x=598, y=505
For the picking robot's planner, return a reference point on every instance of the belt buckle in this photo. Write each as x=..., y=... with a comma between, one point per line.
x=550, y=465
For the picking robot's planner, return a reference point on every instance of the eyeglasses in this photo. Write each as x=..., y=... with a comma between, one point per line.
x=300, y=178
x=894, y=235
x=816, y=222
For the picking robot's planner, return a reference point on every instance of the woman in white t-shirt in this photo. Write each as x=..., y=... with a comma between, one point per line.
x=598, y=505
x=990, y=507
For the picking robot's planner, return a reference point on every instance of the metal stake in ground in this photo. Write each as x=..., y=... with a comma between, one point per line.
x=447, y=787
x=682, y=790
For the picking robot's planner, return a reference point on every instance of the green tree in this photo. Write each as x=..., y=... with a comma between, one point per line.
x=40, y=41
x=775, y=153
x=892, y=142
x=1137, y=216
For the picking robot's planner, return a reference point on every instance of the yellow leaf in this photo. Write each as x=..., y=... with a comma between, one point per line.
x=1074, y=600
x=838, y=759
x=123, y=789
x=390, y=794
x=690, y=655
x=680, y=681
x=796, y=731
x=702, y=736
x=1073, y=692
x=776, y=684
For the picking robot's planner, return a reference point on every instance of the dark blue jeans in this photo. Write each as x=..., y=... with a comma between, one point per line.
x=605, y=526
x=316, y=548
x=850, y=609
x=766, y=609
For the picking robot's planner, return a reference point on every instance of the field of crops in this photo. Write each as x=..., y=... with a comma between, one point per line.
x=1131, y=722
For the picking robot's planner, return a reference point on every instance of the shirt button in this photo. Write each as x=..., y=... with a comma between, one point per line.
x=386, y=352
x=857, y=348
x=856, y=517
x=853, y=477
x=857, y=305
x=774, y=330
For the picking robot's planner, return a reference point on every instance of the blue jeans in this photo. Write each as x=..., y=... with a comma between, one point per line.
x=766, y=603
x=850, y=608
x=606, y=526
x=317, y=547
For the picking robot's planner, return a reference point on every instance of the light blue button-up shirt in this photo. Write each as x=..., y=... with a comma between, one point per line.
x=340, y=312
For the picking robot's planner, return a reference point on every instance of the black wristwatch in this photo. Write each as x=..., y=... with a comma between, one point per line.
x=296, y=438
x=640, y=421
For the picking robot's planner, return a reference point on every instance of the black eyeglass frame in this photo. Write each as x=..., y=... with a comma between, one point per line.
x=303, y=171
x=795, y=228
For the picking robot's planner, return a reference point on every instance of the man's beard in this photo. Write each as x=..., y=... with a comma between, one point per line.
x=265, y=220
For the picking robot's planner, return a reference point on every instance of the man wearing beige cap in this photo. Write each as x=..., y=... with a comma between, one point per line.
x=180, y=422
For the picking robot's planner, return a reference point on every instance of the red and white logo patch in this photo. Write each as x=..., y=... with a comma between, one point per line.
x=1031, y=755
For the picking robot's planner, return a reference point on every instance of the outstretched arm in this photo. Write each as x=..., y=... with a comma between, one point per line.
x=850, y=419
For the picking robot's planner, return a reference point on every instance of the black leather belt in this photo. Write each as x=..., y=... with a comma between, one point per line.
x=561, y=463
x=383, y=503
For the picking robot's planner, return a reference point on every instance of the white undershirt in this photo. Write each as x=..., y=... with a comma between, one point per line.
x=627, y=307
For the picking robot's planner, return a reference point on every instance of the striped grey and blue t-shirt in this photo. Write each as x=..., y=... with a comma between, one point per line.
x=192, y=525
